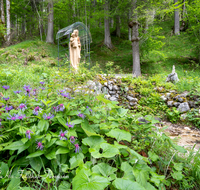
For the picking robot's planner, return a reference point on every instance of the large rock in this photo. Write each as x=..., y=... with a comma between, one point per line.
x=113, y=98
x=183, y=107
x=170, y=103
x=173, y=77
x=131, y=99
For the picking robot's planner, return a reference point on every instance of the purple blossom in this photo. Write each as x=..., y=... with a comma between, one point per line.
x=81, y=115
x=28, y=134
x=34, y=92
x=65, y=95
x=6, y=99
x=39, y=145
x=62, y=135
x=8, y=108
x=27, y=88
x=77, y=148
x=0, y=122
x=70, y=125
x=17, y=91
x=22, y=107
x=42, y=82
x=72, y=139
x=21, y=117
x=13, y=118
x=58, y=108
x=89, y=108
x=42, y=88
x=48, y=117
x=6, y=87
x=37, y=110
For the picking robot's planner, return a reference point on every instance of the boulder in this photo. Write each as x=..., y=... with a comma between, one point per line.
x=183, y=107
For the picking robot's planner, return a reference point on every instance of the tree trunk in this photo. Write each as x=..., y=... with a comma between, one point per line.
x=176, y=20
x=118, y=34
x=8, y=20
x=129, y=29
x=2, y=13
x=107, y=38
x=49, y=38
x=135, y=42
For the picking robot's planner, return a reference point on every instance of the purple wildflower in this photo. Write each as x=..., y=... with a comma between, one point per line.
x=70, y=125
x=13, y=118
x=0, y=122
x=89, y=108
x=65, y=95
x=36, y=110
x=27, y=88
x=21, y=117
x=8, y=108
x=42, y=88
x=58, y=108
x=48, y=117
x=77, y=148
x=6, y=99
x=6, y=87
x=62, y=135
x=72, y=139
x=39, y=145
x=81, y=115
x=34, y=92
x=17, y=91
x=22, y=107
x=42, y=83
x=28, y=134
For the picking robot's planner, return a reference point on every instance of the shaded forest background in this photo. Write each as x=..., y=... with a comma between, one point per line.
x=133, y=23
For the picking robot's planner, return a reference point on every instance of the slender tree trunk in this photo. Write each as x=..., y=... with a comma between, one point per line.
x=118, y=34
x=107, y=37
x=8, y=20
x=2, y=13
x=176, y=20
x=135, y=42
x=129, y=28
x=49, y=38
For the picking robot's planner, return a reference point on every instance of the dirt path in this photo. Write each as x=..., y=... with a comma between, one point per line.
x=184, y=135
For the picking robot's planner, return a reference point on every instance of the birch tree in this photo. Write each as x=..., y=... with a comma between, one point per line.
x=135, y=41
x=8, y=20
x=2, y=13
x=176, y=20
x=49, y=37
x=107, y=36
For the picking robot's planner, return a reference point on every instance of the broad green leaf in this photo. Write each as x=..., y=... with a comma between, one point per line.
x=36, y=164
x=64, y=185
x=119, y=135
x=72, y=132
x=87, y=129
x=93, y=141
x=157, y=179
x=14, y=145
x=104, y=169
x=108, y=151
x=3, y=169
x=76, y=160
x=51, y=155
x=126, y=184
x=62, y=150
x=177, y=147
x=35, y=154
x=73, y=112
x=43, y=125
x=154, y=157
x=128, y=171
x=85, y=180
x=50, y=143
x=177, y=175
x=24, y=140
x=23, y=147
x=26, y=188
x=62, y=122
x=15, y=180
x=122, y=112
x=77, y=121
x=64, y=168
x=63, y=143
x=178, y=166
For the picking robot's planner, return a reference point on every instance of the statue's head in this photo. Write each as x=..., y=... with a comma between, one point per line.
x=76, y=32
x=73, y=34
